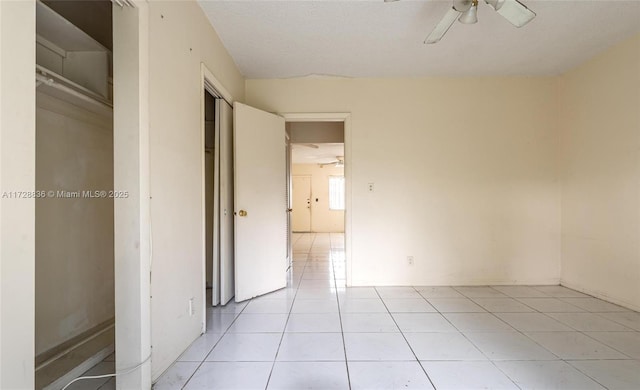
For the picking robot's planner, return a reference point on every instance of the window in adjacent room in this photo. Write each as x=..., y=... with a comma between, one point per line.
x=336, y=192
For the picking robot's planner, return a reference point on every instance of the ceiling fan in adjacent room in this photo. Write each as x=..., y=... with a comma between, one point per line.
x=312, y=146
x=338, y=163
x=466, y=12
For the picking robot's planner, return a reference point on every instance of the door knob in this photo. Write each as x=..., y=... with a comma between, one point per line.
x=242, y=213
x=289, y=210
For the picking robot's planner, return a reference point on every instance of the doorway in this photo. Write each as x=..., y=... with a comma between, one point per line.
x=74, y=216
x=212, y=204
x=217, y=120
x=320, y=177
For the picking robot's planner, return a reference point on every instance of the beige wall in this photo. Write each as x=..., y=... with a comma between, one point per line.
x=464, y=170
x=316, y=132
x=180, y=39
x=74, y=236
x=17, y=173
x=600, y=129
x=322, y=218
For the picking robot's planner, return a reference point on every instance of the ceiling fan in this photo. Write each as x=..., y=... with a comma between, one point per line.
x=338, y=163
x=466, y=12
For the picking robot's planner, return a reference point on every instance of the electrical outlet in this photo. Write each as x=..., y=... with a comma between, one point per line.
x=370, y=187
x=191, y=308
x=410, y=260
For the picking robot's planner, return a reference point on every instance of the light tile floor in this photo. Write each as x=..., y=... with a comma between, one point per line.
x=317, y=334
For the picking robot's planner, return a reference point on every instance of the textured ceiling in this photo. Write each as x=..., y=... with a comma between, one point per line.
x=324, y=153
x=371, y=38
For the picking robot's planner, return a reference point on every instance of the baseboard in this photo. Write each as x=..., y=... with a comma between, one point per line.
x=598, y=294
x=60, y=365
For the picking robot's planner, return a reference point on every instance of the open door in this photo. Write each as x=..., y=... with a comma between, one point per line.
x=226, y=203
x=260, y=202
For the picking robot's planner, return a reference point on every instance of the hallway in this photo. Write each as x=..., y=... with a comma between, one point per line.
x=506, y=337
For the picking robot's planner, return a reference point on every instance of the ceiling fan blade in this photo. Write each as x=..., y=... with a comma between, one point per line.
x=443, y=26
x=312, y=146
x=512, y=10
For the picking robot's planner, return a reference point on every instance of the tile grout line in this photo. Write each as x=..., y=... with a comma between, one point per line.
x=344, y=344
x=275, y=358
x=478, y=348
x=405, y=337
x=546, y=314
x=237, y=315
x=528, y=337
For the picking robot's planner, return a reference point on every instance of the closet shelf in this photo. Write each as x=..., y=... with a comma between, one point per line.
x=55, y=85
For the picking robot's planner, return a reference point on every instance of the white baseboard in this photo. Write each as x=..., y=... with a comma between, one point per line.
x=80, y=369
x=65, y=362
x=598, y=294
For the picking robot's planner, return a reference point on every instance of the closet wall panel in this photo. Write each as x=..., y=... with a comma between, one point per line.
x=74, y=235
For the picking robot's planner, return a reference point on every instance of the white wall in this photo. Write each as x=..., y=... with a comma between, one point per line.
x=132, y=237
x=180, y=38
x=600, y=128
x=17, y=173
x=465, y=174
x=74, y=236
x=322, y=218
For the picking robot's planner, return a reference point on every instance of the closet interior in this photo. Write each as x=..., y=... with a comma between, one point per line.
x=74, y=174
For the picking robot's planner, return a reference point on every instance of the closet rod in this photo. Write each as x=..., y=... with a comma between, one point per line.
x=50, y=82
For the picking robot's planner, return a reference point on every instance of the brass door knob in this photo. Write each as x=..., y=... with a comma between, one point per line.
x=242, y=213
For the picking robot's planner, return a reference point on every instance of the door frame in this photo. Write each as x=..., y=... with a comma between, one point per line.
x=208, y=83
x=344, y=117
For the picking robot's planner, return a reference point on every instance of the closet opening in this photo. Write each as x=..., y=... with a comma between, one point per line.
x=212, y=201
x=74, y=267
x=218, y=218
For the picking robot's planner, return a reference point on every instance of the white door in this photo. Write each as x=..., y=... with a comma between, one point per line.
x=227, y=289
x=301, y=214
x=260, y=202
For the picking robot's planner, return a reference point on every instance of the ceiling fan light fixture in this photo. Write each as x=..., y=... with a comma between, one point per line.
x=462, y=5
x=470, y=16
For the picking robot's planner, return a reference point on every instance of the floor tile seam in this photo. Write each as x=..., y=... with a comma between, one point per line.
x=578, y=330
x=237, y=315
x=523, y=334
x=479, y=349
x=584, y=333
x=275, y=359
x=581, y=310
x=344, y=344
x=442, y=312
x=406, y=341
x=546, y=314
x=617, y=322
x=469, y=297
x=568, y=362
